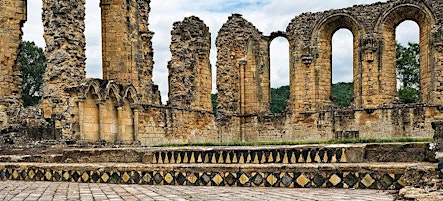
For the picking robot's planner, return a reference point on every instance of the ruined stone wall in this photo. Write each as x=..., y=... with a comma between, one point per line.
x=242, y=68
x=373, y=27
x=105, y=112
x=127, y=46
x=12, y=18
x=190, y=77
x=125, y=107
x=64, y=26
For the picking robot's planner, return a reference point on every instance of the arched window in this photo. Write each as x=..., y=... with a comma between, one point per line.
x=407, y=61
x=342, y=89
x=389, y=23
x=279, y=74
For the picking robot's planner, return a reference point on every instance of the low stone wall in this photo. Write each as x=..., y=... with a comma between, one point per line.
x=367, y=176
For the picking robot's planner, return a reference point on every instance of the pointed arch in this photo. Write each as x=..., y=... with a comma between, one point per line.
x=93, y=87
x=131, y=95
x=114, y=91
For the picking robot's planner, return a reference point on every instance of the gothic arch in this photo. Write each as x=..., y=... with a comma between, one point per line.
x=131, y=95
x=386, y=25
x=93, y=88
x=322, y=37
x=113, y=90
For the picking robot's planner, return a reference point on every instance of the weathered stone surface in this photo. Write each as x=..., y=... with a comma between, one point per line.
x=373, y=27
x=127, y=46
x=64, y=28
x=12, y=18
x=190, y=77
x=125, y=107
x=242, y=68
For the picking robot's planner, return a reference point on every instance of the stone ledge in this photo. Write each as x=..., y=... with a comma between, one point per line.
x=352, y=175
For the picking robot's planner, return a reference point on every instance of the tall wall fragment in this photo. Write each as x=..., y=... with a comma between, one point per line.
x=242, y=68
x=127, y=47
x=190, y=79
x=12, y=18
x=374, y=70
x=64, y=26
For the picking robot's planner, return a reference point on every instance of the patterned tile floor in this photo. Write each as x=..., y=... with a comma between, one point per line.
x=20, y=190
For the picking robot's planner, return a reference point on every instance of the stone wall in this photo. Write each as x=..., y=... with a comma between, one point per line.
x=64, y=26
x=373, y=27
x=12, y=18
x=242, y=68
x=125, y=107
x=190, y=77
x=127, y=46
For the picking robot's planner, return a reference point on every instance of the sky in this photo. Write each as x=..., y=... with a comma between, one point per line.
x=267, y=15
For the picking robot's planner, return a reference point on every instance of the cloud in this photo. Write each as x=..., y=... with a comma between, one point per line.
x=267, y=15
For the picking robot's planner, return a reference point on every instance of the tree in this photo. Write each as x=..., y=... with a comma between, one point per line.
x=279, y=98
x=408, y=71
x=32, y=63
x=342, y=93
x=214, y=102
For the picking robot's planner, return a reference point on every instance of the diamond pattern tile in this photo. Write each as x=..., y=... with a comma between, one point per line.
x=302, y=181
x=104, y=178
x=351, y=179
x=287, y=179
x=125, y=177
x=257, y=179
x=335, y=180
x=57, y=176
x=206, y=179
x=169, y=179
x=192, y=178
x=218, y=180
x=367, y=181
x=31, y=174
x=244, y=179
x=320, y=179
x=146, y=178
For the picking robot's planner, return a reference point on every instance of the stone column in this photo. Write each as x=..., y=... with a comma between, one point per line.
x=121, y=132
x=190, y=77
x=64, y=26
x=101, y=112
x=127, y=47
x=136, y=124
x=81, y=121
x=13, y=16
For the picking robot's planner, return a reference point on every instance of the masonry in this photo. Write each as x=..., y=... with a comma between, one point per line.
x=125, y=108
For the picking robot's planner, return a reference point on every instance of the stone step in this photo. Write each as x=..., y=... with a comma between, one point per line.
x=336, y=153
x=345, y=153
x=350, y=175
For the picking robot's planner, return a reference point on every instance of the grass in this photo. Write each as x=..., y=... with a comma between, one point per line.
x=333, y=141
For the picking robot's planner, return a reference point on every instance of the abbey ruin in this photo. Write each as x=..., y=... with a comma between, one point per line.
x=125, y=106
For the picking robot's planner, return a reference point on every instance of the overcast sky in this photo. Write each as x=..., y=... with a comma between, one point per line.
x=267, y=15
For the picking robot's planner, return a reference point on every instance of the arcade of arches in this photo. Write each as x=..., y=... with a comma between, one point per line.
x=125, y=107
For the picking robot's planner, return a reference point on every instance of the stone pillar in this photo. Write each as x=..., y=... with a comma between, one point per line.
x=121, y=132
x=101, y=112
x=238, y=40
x=190, y=77
x=127, y=47
x=366, y=81
x=81, y=121
x=12, y=18
x=136, y=124
x=64, y=25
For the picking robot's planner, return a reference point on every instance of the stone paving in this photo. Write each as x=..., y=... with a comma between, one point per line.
x=20, y=190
